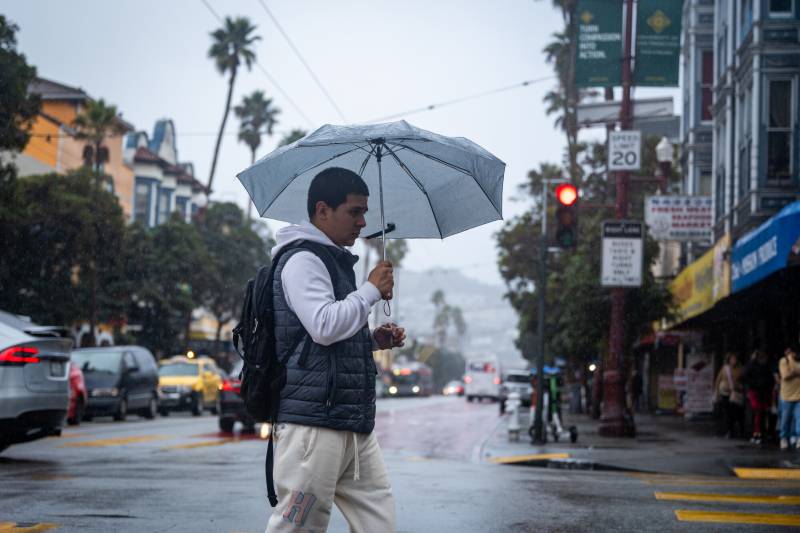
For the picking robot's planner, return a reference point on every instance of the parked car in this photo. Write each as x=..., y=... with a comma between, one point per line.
x=189, y=384
x=78, y=397
x=453, y=388
x=482, y=379
x=119, y=380
x=231, y=405
x=34, y=386
x=518, y=381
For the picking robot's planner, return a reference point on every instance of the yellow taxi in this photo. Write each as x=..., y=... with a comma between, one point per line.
x=188, y=383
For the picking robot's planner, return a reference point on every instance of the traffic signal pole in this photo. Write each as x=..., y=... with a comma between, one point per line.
x=538, y=418
x=612, y=421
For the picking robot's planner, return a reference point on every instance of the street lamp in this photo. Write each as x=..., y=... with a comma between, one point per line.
x=664, y=153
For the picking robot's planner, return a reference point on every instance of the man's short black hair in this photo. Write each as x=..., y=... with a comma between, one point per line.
x=332, y=186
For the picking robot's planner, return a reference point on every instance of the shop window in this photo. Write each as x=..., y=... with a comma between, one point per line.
x=141, y=204
x=781, y=8
x=706, y=83
x=779, y=130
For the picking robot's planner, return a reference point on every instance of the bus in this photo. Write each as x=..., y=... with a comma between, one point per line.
x=410, y=379
x=482, y=379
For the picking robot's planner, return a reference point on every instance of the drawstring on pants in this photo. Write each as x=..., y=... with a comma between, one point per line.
x=356, y=473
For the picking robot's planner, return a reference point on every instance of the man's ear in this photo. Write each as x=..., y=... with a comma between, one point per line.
x=321, y=210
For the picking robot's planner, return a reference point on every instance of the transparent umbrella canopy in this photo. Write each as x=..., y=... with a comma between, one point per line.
x=429, y=185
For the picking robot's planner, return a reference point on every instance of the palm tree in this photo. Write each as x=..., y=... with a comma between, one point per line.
x=231, y=45
x=257, y=116
x=94, y=124
x=292, y=136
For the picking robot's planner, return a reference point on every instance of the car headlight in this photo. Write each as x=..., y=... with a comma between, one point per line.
x=113, y=392
x=392, y=390
x=415, y=389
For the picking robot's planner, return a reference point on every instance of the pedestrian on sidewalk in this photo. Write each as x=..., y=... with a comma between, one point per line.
x=729, y=392
x=326, y=452
x=789, y=368
x=759, y=381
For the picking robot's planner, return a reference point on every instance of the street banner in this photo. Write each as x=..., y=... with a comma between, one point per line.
x=680, y=218
x=624, y=150
x=623, y=253
x=703, y=283
x=598, y=59
x=658, y=43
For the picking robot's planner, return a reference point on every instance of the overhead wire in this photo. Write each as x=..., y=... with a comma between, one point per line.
x=303, y=61
x=459, y=100
x=267, y=74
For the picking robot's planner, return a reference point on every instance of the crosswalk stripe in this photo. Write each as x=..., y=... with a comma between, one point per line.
x=728, y=498
x=722, y=517
x=110, y=442
x=12, y=527
x=768, y=473
x=526, y=458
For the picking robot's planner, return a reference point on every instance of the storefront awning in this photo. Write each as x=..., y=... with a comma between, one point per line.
x=703, y=283
x=767, y=249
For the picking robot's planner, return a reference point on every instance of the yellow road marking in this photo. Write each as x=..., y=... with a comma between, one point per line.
x=202, y=444
x=768, y=473
x=110, y=442
x=526, y=458
x=721, y=517
x=12, y=527
x=728, y=498
x=671, y=480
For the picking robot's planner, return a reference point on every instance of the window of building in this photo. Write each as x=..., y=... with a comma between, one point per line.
x=180, y=206
x=781, y=8
x=141, y=203
x=706, y=83
x=779, y=130
x=745, y=19
x=704, y=184
x=164, y=199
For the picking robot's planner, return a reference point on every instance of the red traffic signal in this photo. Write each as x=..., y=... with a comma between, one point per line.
x=566, y=194
x=566, y=216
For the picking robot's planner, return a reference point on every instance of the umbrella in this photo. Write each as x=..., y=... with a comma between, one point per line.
x=429, y=185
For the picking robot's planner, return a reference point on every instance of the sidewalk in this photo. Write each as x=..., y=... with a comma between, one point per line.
x=664, y=444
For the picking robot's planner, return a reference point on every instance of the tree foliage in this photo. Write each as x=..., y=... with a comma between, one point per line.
x=18, y=108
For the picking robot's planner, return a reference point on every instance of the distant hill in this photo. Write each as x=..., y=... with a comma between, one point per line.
x=491, y=321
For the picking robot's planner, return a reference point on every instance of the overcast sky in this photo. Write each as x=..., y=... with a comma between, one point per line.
x=375, y=58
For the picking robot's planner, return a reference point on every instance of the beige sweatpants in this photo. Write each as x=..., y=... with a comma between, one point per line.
x=316, y=467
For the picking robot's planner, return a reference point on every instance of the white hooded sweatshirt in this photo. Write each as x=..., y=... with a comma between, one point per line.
x=309, y=292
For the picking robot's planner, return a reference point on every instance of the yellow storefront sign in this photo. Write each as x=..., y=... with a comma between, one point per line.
x=703, y=283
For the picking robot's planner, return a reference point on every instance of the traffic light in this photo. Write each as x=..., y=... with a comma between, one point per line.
x=566, y=216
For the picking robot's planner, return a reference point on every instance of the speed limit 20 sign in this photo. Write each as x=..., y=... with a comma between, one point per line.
x=624, y=150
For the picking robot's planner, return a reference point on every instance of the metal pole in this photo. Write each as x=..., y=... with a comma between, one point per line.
x=380, y=191
x=612, y=422
x=538, y=420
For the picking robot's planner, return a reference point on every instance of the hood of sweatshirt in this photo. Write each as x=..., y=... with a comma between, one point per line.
x=305, y=231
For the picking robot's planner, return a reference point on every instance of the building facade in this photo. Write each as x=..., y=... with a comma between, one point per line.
x=756, y=155
x=162, y=185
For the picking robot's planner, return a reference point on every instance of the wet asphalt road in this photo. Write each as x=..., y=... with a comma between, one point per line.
x=179, y=474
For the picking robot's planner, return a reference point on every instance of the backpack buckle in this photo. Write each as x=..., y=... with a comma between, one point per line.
x=255, y=328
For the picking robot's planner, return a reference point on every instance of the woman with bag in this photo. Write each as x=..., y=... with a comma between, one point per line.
x=729, y=391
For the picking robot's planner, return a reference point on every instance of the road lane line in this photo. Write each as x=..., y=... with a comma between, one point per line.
x=768, y=473
x=111, y=442
x=728, y=498
x=743, y=484
x=204, y=444
x=525, y=458
x=721, y=517
x=13, y=527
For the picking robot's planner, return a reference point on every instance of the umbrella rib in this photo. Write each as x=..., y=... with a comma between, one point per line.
x=291, y=180
x=421, y=188
x=456, y=167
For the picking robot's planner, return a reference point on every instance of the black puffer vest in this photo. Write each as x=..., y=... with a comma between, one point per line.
x=329, y=386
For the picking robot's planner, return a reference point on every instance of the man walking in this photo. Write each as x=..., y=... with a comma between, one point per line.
x=789, y=368
x=325, y=451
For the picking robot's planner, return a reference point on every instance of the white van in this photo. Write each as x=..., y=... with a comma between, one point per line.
x=482, y=379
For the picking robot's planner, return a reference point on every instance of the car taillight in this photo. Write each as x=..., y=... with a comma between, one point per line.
x=230, y=385
x=496, y=381
x=19, y=355
x=468, y=379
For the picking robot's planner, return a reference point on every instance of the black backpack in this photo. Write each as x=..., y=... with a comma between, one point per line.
x=263, y=373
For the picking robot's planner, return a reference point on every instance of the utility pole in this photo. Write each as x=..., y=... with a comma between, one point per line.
x=612, y=421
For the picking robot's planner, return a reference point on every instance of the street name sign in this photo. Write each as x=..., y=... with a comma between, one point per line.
x=680, y=218
x=623, y=253
x=624, y=150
